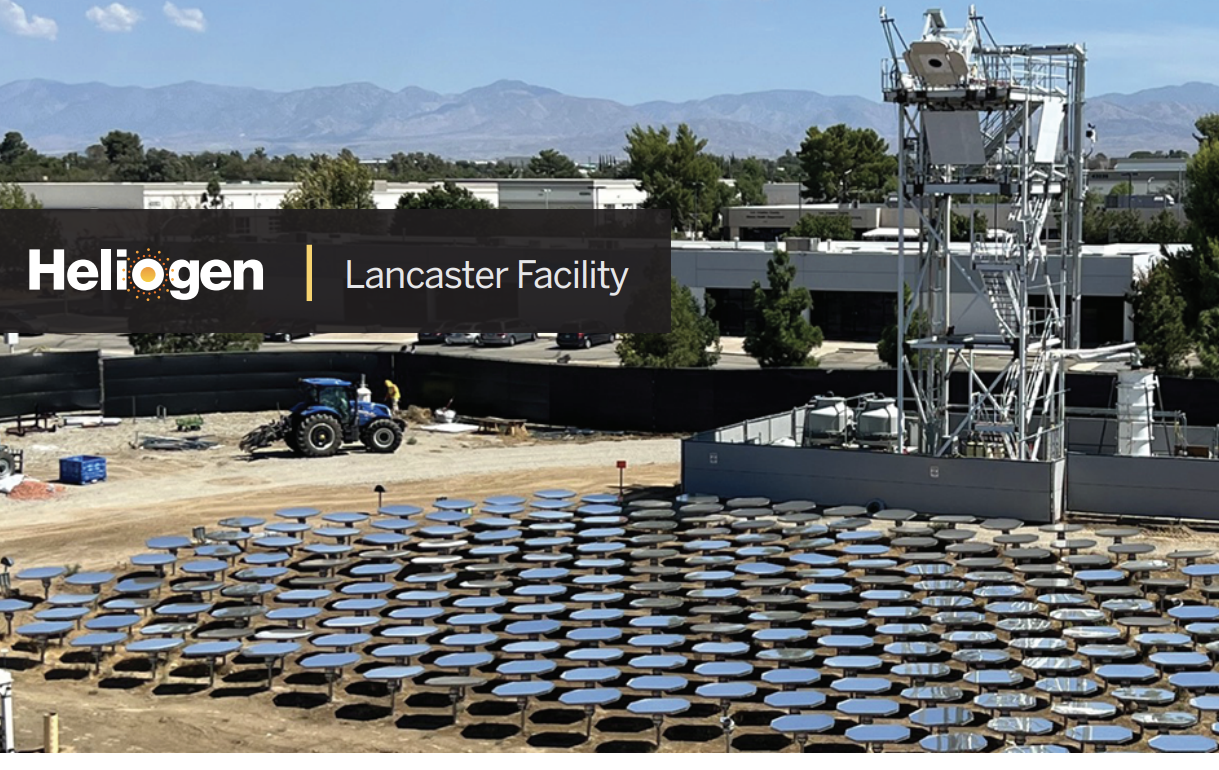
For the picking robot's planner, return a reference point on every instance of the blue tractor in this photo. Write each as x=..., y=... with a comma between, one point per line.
x=329, y=416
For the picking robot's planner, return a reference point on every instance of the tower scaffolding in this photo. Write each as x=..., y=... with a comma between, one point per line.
x=982, y=122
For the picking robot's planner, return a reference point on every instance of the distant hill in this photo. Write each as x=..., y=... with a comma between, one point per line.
x=501, y=119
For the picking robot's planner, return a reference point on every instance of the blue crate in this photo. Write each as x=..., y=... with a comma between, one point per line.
x=82, y=469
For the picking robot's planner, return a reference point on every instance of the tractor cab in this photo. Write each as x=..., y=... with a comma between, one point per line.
x=331, y=394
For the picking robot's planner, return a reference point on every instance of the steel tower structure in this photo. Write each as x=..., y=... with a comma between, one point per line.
x=985, y=123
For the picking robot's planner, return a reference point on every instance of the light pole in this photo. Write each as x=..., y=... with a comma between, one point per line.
x=697, y=186
x=546, y=193
x=1150, y=179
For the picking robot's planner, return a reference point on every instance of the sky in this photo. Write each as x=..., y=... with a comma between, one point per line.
x=630, y=51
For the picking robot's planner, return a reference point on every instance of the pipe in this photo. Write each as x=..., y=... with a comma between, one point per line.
x=50, y=733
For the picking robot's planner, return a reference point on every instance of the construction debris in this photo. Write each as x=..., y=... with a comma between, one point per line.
x=174, y=443
x=29, y=489
x=43, y=422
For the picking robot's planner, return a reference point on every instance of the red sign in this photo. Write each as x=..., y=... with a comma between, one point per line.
x=621, y=464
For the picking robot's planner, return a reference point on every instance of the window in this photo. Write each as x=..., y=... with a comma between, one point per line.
x=241, y=225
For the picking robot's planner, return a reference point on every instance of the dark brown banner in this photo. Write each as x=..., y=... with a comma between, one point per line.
x=273, y=271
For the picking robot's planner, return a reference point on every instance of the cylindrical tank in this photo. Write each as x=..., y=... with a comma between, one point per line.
x=363, y=393
x=1135, y=412
x=876, y=423
x=826, y=421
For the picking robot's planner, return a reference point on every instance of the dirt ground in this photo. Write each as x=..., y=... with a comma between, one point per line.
x=156, y=493
x=150, y=493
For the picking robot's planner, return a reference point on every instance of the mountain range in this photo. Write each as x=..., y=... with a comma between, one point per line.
x=504, y=118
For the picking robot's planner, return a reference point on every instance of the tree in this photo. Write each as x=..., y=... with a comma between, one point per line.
x=14, y=150
x=780, y=335
x=887, y=349
x=1164, y=228
x=842, y=161
x=830, y=228
x=961, y=222
x=750, y=178
x=1126, y=226
x=1096, y=226
x=694, y=340
x=443, y=196
x=148, y=344
x=552, y=164
x=124, y=153
x=1159, y=320
x=1207, y=127
x=1202, y=173
x=332, y=183
x=678, y=176
x=13, y=196
x=1122, y=189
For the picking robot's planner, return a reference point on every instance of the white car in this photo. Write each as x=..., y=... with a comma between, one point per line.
x=463, y=334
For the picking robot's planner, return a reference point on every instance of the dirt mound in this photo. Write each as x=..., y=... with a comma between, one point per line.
x=34, y=490
x=417, y=415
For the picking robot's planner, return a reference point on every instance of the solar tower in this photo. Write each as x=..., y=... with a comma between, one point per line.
x=984, y=123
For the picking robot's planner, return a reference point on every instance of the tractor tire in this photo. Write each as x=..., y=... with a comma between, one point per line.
x=8, y=464
x=290, y=440
x=318, y=435
x=382, y=436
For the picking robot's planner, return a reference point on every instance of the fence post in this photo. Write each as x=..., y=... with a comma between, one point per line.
x=50, y=733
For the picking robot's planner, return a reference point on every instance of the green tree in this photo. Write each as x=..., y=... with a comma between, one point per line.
x=14, y=150
x=1159, y=320
x=841, y=161
x=836, y=227
x=1122, y=189
x=780, y=335
x=332, y=183
x=124, y=153
x=1164, y=228
x=694, y=340
x=148, y=344
x=960, y=226
x=1202, y=202
x=887, y=349
x=677, y=175
x=1096, y=223
x=750, y=178
x=1126, y=226
x=552, y=164
x=443, y=196
x=13, y=196
x=1207, y=127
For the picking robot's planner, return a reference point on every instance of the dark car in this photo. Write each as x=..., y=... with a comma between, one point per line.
x=584, y=334
x=437, y=333
x=288, y=330
x=21, y=322
x=506, y=331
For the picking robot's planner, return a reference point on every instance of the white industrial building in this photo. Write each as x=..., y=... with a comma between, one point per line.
x=854, y=284
x=502, y=193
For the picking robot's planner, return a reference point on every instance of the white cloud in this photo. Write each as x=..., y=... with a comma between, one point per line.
x=115, y=17
x=186, y=18
x=14, y=19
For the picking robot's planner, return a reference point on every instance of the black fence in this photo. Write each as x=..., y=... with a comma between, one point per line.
x=227, y=382
x=49, y=382
x=607, y=398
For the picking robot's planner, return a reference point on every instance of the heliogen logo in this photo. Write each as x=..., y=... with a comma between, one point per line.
x=150, y=275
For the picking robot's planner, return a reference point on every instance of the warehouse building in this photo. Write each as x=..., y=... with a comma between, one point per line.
x=854, y=285
x=503, y=193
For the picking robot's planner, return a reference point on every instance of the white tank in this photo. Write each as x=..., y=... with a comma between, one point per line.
x=876, y=424
x=363, y=393
x=1135, y=412
x=826, y=421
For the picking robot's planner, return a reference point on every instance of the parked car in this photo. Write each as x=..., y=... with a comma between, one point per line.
x=288, y=330
x=584, y=334
x=22, y=322
x=438, y=333
x=507, y=331
x=463, y=334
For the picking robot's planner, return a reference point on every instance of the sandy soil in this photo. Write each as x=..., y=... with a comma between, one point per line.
x=150, y=493
x=153, y=493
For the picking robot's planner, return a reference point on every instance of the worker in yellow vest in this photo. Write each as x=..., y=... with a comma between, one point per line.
x=392, y=394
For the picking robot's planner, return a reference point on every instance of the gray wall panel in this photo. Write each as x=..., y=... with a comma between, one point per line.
x=1150, y=486
x=989, y=488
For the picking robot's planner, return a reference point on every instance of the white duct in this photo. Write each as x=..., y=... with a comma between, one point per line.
x=1135, y=412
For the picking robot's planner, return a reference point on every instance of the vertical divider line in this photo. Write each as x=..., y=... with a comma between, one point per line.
x=309, y=272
